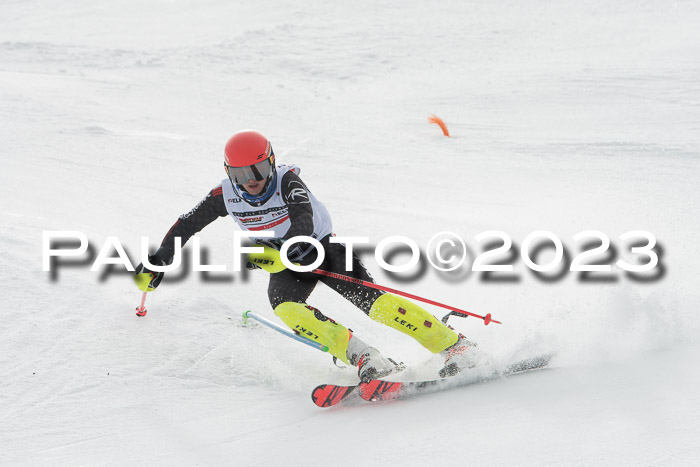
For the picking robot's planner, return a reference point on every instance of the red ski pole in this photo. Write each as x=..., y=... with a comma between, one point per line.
x=487, y=319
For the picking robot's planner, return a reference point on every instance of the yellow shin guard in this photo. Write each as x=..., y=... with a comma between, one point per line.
x=312, y=324
x=407, y=317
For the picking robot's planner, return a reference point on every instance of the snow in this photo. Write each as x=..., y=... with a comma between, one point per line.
x=565, y=116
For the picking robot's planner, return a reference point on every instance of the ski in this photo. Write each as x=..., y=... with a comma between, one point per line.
x=380, y=390
x=328, y=395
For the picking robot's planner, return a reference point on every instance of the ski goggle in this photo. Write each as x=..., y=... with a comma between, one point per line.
x=259, y=171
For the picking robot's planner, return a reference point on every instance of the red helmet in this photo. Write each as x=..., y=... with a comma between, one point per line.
x=248, y=156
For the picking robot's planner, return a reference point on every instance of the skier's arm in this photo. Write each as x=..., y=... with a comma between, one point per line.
x=301, y=214
x=204, y=213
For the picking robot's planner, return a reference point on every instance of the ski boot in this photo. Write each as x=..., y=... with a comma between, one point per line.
x=370, y=363
x=462, y=355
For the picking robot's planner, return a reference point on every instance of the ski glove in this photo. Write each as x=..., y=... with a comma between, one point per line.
x=251, y=267
x=269, y=259
x=275, y=243
x=145, y=283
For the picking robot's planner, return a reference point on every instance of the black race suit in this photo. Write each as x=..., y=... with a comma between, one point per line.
x=287, y=285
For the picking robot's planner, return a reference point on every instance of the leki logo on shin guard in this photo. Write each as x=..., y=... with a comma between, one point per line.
x=305, y=332
x=406, y=324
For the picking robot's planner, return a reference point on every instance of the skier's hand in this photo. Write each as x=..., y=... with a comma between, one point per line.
x=146, y=279
x=269, y=259
x=275, y=243
x=251, y=267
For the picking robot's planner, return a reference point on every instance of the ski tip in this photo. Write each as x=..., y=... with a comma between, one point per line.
x=317, y=395
x=328, y=395
x=532, y=363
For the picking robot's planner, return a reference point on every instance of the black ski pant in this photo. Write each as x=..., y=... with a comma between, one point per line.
x=292, y=286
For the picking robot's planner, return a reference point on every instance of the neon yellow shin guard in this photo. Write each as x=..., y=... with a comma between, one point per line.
x=312, y=324
x=407, y=317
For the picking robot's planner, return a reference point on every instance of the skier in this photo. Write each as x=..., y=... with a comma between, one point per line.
x=260, y=195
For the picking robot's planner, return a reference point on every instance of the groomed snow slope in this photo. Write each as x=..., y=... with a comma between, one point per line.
x=565, y=116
